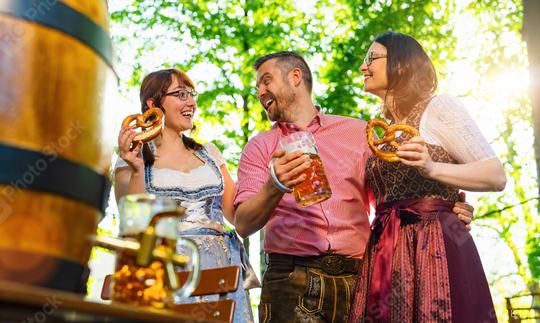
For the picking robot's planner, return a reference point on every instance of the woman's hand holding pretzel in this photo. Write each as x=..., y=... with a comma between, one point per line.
x=150, y=122
x=415, y=153
x=130, y=150
x=131, y=142
x=389, y=138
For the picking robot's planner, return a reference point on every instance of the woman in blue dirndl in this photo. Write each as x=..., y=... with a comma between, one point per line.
x=196, y=176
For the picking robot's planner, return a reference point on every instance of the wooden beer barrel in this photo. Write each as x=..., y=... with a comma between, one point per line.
x=55, y=65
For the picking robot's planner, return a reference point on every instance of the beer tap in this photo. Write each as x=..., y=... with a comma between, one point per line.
x=145, y=249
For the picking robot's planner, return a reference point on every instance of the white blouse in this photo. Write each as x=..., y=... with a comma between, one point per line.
x=447, y=123
x=197, y=177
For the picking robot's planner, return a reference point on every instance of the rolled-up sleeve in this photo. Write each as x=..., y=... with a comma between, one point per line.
x=252, y=171
x=447, y=123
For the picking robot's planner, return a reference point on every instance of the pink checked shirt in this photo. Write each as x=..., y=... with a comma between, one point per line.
x=339, y=224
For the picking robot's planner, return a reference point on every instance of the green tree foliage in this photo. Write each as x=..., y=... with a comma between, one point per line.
x=518, y=116
x=227, y=36
x=513, y=216
x=230, y=35
x=224, y=37
x=354, y=25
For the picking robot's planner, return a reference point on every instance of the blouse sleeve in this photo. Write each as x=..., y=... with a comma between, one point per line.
x=447, y=123
x=120, y=163
x=215, y=154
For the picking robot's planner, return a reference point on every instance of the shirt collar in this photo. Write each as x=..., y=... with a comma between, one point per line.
x=313, y=126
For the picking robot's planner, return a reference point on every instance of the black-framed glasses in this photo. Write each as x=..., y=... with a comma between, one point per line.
x=183, y=94
x=371, y=56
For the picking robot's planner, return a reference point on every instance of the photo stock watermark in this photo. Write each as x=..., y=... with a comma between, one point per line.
x=47, y=310
x=34, y=170
x=15, y=35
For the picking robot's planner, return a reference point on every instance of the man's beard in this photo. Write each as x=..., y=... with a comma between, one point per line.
x=282, y=105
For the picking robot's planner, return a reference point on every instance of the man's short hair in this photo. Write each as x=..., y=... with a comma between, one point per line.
x=288, y=60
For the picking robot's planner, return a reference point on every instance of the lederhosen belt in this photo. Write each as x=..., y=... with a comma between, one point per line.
x=330, y=264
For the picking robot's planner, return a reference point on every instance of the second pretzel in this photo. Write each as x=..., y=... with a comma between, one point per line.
x=389, y=138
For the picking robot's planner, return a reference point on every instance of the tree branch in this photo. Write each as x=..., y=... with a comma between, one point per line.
x=501, y=277
x=506, y=208
x=489, y=227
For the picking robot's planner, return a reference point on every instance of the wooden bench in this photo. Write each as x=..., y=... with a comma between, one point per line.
x=212, y=281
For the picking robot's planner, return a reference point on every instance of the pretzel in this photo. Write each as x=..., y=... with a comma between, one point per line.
x=389, y=137
x=150, y=123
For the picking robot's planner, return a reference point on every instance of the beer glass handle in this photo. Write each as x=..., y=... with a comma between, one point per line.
x=193, y=267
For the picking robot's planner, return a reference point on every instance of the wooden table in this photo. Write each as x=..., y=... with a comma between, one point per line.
x=24, y=303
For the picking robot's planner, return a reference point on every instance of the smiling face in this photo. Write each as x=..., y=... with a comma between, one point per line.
x=375, y=76
x=178, y=113
x=275, y=91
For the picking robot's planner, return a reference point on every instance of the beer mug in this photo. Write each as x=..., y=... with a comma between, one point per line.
x=315, y=187
x=148, y=285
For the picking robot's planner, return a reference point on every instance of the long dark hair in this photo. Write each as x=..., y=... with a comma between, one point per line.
x=154, y=86
x=411, y=75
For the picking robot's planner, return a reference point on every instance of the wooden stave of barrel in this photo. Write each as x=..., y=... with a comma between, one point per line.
x=52, y=92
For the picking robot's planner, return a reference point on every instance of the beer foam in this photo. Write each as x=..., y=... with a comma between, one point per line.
x=300, y=146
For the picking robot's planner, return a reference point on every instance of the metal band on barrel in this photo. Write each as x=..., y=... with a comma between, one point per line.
x=276, y=181
x=38, y=171
x=60, y=16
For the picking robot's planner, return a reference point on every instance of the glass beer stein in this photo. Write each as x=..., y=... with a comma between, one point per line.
x=315, y=187
x=150, y=285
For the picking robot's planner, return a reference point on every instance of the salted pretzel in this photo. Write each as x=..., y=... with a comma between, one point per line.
x=150, y=122
x=389, y=137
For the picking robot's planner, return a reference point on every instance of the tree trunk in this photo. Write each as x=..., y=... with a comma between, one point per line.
x=245, y=136
x=531, y=27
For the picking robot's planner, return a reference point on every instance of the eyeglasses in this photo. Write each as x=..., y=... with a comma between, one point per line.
x=371, y=56
x=183, y=94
